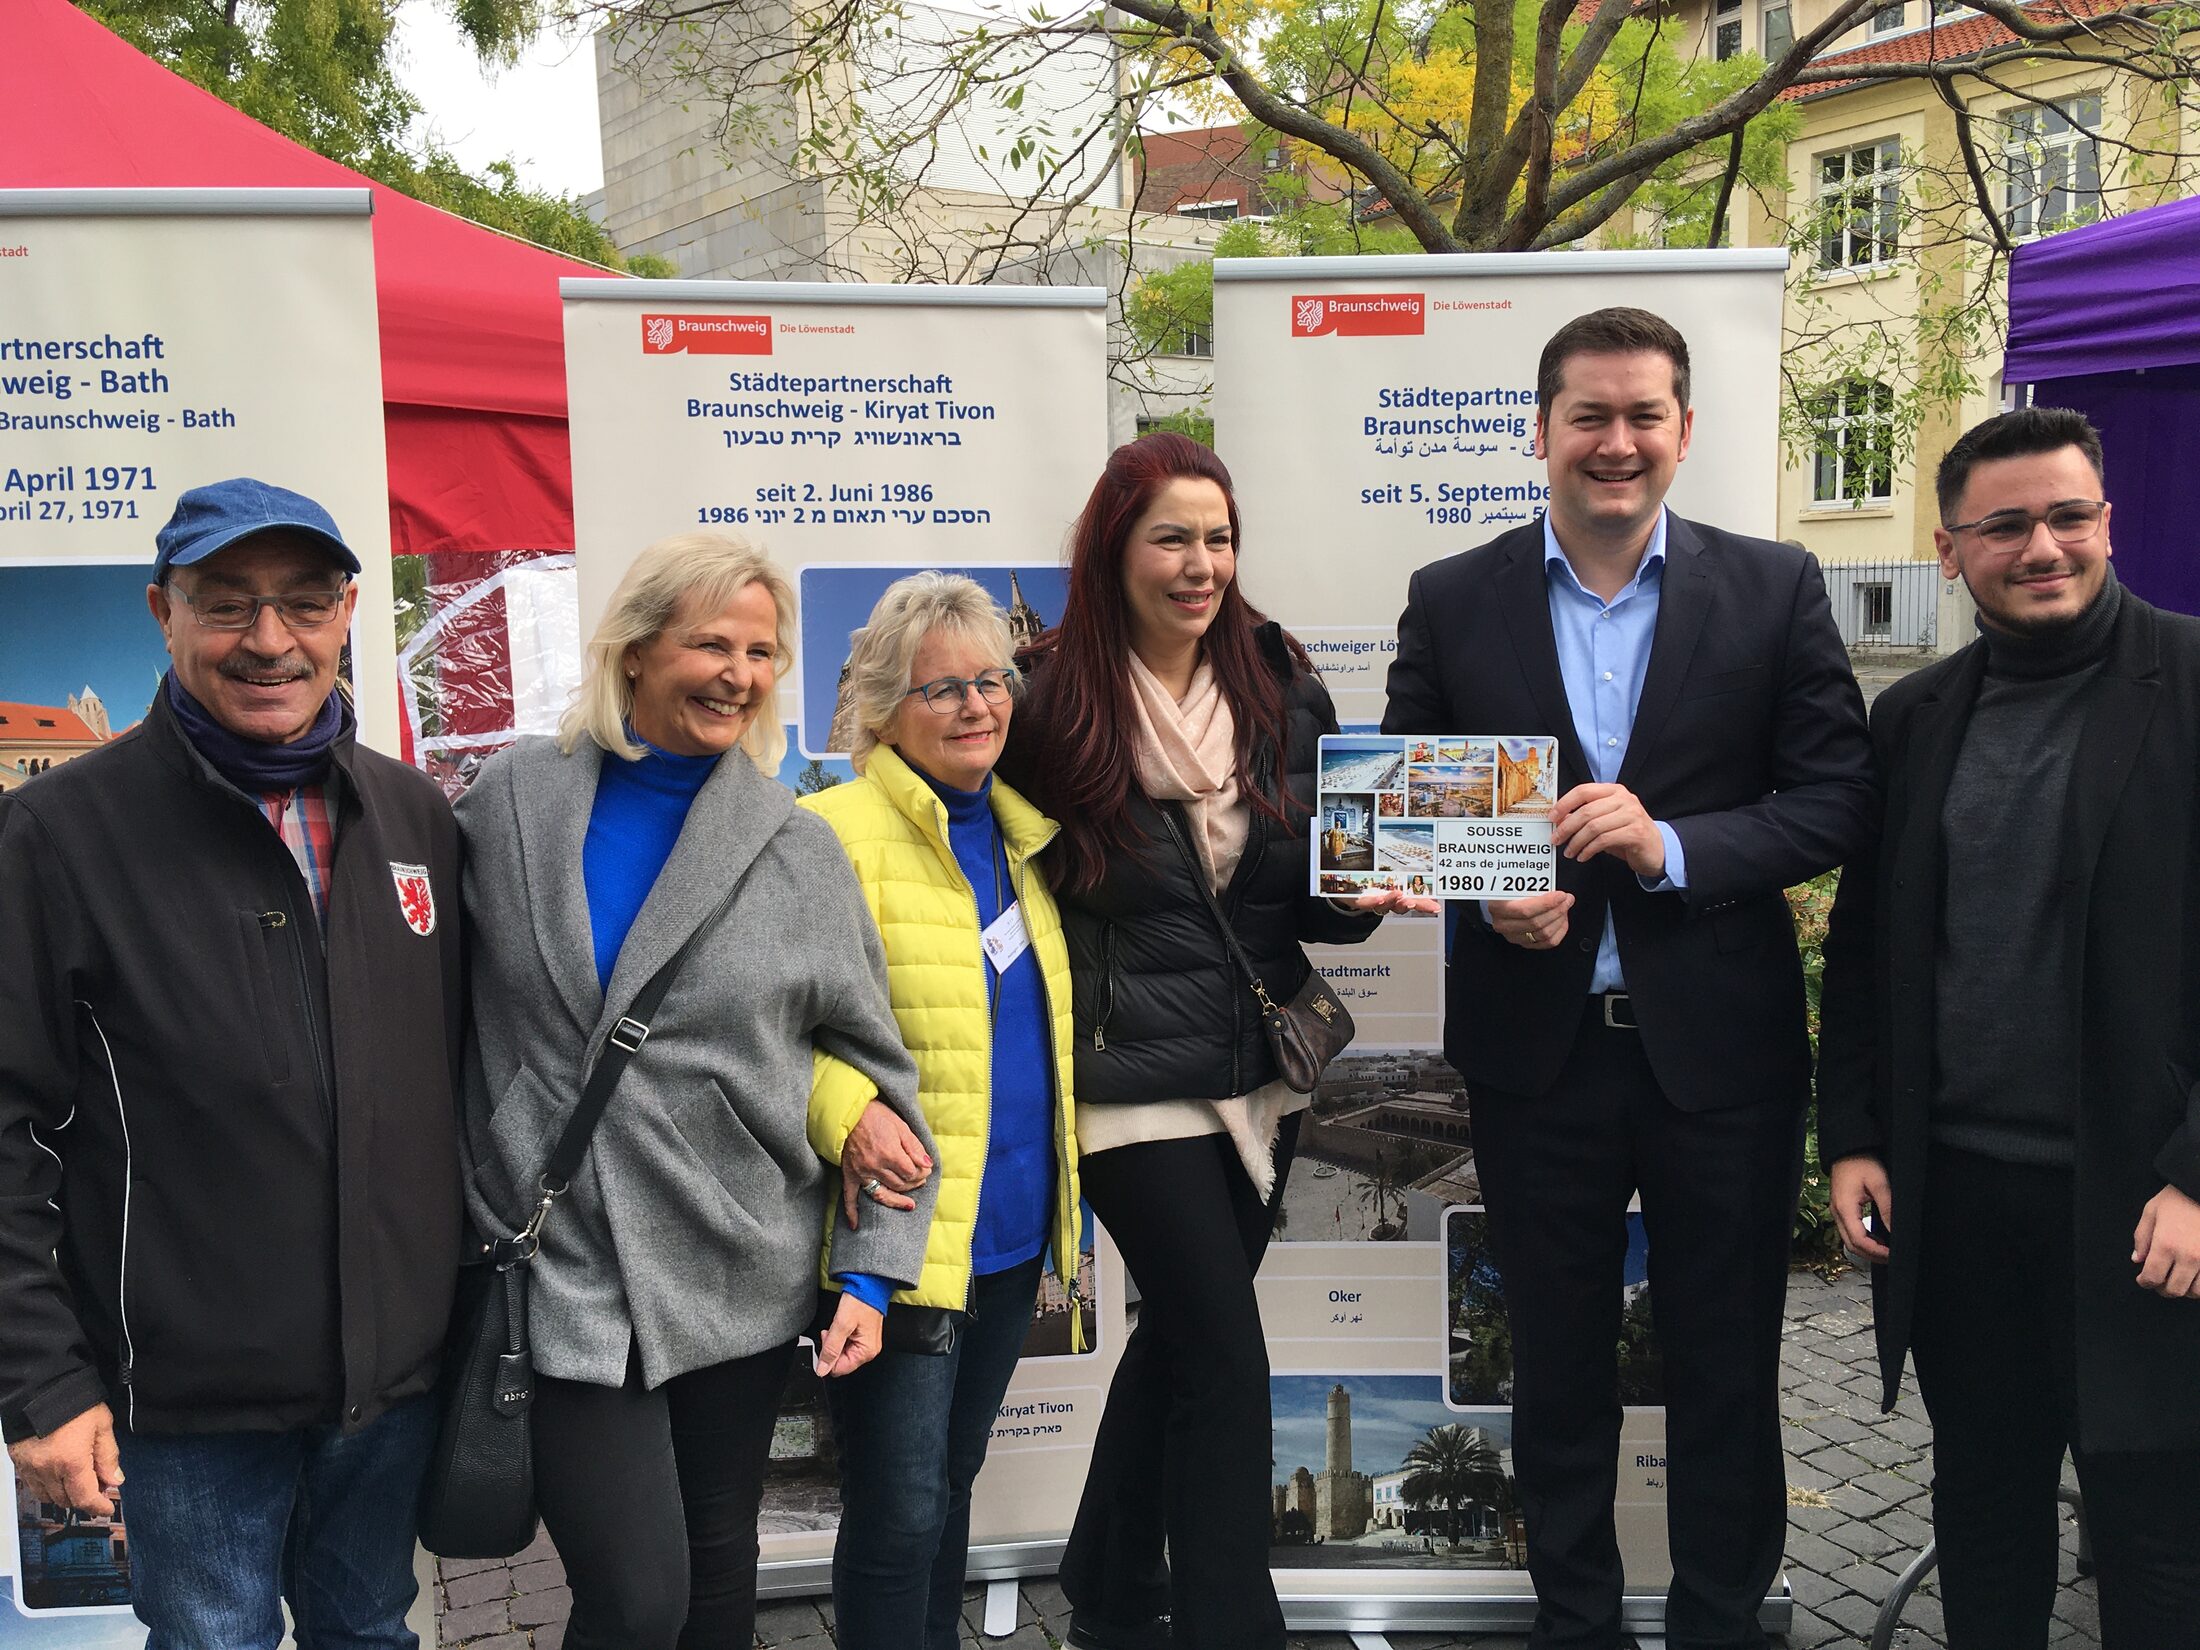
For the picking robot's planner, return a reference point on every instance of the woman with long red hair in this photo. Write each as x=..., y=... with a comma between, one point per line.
x=1174, y=732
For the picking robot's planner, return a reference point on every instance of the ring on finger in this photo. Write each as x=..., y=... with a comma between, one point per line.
x=870, y=1187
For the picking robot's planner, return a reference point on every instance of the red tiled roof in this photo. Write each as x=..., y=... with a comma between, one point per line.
x=20, y=724
x=1947, y=42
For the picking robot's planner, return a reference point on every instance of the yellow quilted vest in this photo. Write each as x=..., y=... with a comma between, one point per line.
x=895, y=831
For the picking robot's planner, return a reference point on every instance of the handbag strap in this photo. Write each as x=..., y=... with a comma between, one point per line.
x=620, y=1047
x=1169, y=812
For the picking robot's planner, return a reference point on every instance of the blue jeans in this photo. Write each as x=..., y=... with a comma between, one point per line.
x=913, y=1429
x=226, y=1526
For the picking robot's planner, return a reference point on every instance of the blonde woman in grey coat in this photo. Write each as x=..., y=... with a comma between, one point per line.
x=676, y=1274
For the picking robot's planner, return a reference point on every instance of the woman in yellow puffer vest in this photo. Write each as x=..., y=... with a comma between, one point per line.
x=979, y=975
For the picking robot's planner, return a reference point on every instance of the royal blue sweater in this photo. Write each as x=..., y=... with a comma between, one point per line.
x=1018, y=1188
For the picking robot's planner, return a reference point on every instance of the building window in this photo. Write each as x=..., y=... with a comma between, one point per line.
x=1860, y=204
x=1726, y=30
x=1887, y=19
x=1220, y=210
x=1777, y=27
x=1855, y=462
x=2052, y=166
x=1874, y=612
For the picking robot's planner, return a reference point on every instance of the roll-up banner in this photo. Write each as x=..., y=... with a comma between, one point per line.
x=1377, y=414
x=857, y=433
x=152, y=341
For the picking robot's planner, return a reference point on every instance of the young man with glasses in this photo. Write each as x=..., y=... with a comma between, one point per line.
x=229, y=1215
x=2010, y=1050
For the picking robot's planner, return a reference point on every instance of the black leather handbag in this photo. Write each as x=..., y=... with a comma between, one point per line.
x=1304, y=1034
x=478, y=1500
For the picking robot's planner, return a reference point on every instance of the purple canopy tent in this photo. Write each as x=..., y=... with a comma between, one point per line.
x=2107, y=319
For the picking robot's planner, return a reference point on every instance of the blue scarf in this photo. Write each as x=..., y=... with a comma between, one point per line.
x=253, y=766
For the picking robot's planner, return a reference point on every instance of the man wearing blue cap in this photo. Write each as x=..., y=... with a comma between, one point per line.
x=229, y=1020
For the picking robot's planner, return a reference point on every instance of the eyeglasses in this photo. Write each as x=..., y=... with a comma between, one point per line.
x=2070, y=522
x=299, y=609
x=995, y=687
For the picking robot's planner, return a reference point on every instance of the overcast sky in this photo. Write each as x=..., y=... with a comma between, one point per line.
x=541, y=114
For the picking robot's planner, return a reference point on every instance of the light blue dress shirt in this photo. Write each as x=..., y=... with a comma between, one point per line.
x=1603, y=651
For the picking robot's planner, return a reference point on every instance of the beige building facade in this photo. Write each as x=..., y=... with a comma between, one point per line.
x=1896, y=316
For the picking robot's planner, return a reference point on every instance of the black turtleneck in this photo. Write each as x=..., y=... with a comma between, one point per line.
x=2005, y=1083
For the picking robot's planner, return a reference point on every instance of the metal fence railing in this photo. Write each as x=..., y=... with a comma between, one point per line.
x=1891, y=606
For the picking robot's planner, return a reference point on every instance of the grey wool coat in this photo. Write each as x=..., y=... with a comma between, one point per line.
x=691, y=1229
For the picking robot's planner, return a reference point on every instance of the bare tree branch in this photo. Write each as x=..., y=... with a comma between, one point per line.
x=1969, y=150
x=1717, y=231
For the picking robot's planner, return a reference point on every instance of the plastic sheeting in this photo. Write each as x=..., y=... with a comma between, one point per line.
x=489, y=650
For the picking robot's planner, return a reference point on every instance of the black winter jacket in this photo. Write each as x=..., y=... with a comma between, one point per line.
x=228, y=1157
x=1162, y=1012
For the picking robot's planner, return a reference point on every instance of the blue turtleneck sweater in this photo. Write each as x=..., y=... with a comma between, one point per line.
x=639, y=809
x=1018, y=1187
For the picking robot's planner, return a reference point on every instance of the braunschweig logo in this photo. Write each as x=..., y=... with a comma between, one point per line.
x=1358, y=315
x=706, y=335
x=415, y=897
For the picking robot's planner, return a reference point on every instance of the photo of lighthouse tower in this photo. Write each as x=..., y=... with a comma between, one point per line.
x=1372, y=1472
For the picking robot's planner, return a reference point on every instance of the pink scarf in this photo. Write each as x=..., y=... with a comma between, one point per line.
x=1187, y=752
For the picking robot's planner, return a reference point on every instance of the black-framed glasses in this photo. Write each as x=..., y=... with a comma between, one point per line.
x=995, y=687
x=232, y=610
x=2071, y=521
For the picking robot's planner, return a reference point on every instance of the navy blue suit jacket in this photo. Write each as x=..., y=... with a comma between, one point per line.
x=1749, y=741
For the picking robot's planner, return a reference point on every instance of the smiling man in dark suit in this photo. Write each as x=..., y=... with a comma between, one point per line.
x=1641, y=1028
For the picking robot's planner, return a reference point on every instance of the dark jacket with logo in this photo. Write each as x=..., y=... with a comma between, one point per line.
x=1162, y=1012
x=229, y=1191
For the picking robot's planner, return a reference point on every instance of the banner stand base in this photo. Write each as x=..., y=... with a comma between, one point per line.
x=1365, y=1618
x=1000, y=1609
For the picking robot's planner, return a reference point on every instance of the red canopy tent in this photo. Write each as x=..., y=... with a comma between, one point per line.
x=473, y=343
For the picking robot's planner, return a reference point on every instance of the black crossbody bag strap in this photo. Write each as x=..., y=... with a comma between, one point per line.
x=620, y=1047
x=1170, y=812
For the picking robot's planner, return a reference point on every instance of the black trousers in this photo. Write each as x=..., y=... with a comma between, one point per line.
x=1182, y=1456
x=1996, y=1352
x=1718, y=1201
x=651, y=1499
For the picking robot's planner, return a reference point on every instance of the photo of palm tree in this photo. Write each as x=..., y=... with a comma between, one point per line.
x=1373, y=1472
x=1454, y=1474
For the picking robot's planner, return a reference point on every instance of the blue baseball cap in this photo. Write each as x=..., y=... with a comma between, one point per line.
x=209, y=519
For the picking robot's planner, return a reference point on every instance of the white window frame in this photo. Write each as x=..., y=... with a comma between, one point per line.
x=1764, y=34
x=1726, y=15
x=1889, y=19
x=2050, y=157
x=1848, y=203
x=1860, y=406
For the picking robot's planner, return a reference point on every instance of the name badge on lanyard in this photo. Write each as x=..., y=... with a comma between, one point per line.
x=1004, y=938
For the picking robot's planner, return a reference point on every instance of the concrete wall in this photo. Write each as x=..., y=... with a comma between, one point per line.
x=678, y=183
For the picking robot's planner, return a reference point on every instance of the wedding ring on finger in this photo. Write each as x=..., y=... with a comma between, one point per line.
x=870, y=1188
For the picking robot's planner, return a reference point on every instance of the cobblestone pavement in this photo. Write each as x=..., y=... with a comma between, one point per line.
x=1858, y=1511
